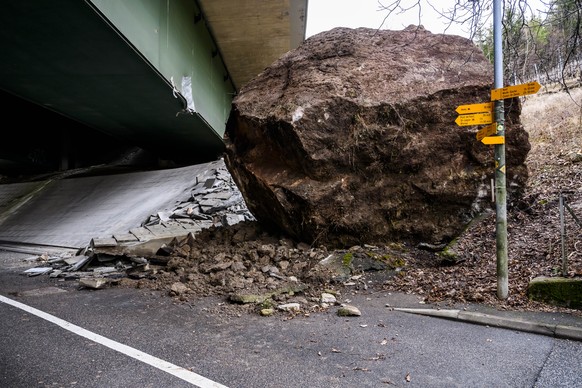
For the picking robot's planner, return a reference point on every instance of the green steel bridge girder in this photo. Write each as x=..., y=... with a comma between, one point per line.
x=144, y=71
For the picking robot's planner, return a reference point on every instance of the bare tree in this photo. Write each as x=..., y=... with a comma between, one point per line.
x=542, y=43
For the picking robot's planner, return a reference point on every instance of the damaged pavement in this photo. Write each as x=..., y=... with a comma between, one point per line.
x=210, y=244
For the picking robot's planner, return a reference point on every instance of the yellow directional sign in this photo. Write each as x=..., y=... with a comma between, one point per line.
x=515, y=91
x=474, y=119
x=489, y=130
x=475, y=108
x=493, y=140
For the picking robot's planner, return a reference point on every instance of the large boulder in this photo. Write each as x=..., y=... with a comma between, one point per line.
x=351, y=138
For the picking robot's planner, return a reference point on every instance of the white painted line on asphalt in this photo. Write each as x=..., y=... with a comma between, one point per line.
x=184, y=374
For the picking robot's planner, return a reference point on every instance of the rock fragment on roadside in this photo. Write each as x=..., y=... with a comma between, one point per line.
x=348, y=311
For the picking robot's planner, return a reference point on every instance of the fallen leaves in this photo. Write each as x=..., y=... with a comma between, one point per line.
x=533, y=231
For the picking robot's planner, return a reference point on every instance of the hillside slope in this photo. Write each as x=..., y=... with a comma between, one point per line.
x=554, y=124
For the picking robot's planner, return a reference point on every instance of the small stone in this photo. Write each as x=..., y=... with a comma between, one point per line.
x=289, y=307
x=95, y=283
x=575, y=157
x=178, y=288
x=328, y=298
x=237, y=266
x=267, y=312
x=348, y=311
x=247, y=298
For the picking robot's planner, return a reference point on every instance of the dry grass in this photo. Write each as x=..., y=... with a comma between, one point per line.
x=554, y=124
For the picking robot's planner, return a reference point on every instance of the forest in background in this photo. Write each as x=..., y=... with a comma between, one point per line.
x=543, y=46
x=541, y=38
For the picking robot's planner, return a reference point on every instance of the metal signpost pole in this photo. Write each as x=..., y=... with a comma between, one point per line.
x=500, y=169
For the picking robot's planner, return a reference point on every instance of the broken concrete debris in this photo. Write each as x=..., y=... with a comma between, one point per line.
x=214, y=201
x=38, y=271
x=242, y=262
x=95, y=283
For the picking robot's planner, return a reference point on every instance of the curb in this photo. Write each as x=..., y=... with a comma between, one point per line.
x=559, y=331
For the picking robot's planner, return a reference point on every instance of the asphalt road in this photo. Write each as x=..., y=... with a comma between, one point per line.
x=380, y=348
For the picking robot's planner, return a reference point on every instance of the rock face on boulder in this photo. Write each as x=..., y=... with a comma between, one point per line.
x=351, y=138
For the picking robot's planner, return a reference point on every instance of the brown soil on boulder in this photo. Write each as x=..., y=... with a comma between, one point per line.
x=351, y=139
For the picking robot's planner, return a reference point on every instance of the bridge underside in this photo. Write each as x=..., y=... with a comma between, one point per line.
x=66, y=58
x=73, y=90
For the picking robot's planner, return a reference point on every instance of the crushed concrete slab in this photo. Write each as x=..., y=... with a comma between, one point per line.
x=81, y=263
x=103, y=242
x=125, y=237
x=162, y=231
x=142, y=234
x=73, y=259
x=38, y=271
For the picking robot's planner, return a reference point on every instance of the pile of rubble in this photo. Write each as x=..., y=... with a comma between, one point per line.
x=210, y=244
x=214, y=201
x=250, y=268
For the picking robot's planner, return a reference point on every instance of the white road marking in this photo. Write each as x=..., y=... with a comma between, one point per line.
x=184, y=374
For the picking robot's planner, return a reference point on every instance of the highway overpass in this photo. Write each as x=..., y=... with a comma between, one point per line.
x=83, y=80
